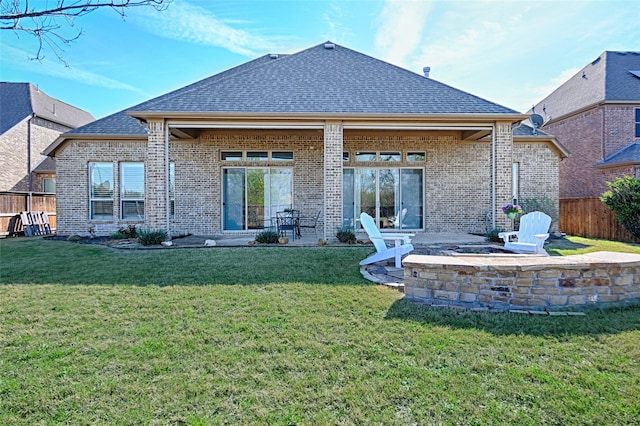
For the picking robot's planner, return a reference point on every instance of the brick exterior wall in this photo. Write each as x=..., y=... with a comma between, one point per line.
x=457, y=175
x=590, y=136
x=14, y=174
x=333, y=147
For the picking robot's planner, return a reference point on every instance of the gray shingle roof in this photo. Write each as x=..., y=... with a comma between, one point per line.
x=314, y=81
x=630, y=154
x=608, y=78
x=19, y=100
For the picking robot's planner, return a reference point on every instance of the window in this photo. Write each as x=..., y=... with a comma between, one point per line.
x=637, y=122
x=101, y=191
x=282, y=155
x=172, y=190
x=253, y=195
x=394, y=197
x=416, y=156
x=49, y=185
x=231, y=155
x=132, y=191
x=257, y=156
x=345, y=156
x=390, y=156
x=366, y=156
x=515, y=175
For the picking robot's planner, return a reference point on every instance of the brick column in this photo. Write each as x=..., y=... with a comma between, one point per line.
x=503, y=151
x=333, y=145
x=155, y=177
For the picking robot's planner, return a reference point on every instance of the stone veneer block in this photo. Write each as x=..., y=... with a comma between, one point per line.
x=512, y=281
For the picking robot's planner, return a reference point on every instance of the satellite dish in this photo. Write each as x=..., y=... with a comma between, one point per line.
x=537, y=121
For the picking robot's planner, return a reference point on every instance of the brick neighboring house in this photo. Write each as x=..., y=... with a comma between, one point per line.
x=596, y=116
x=30, y=121
x=326, y=129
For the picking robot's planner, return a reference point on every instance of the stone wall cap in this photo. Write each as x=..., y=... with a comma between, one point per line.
x=524, y=263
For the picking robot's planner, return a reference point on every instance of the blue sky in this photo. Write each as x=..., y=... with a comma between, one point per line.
x=510, y=52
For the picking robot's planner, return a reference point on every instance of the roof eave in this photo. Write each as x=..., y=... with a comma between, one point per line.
x=51, y=150
x=551, y=140
x=617, y=165
x=485, y=117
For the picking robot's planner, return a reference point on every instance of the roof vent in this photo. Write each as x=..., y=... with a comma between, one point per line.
x=426, y=71
x=329, y=46
x=274, y=55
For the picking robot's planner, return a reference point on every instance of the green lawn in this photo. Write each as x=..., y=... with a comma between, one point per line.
x=93, y=335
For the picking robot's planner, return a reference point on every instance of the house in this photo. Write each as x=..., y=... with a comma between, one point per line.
x=30, y=121
x=596, y=116
x=325, y=129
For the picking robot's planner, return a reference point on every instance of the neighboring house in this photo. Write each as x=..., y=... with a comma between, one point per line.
x=596, y=116
x=326, y=129
x=29, y=122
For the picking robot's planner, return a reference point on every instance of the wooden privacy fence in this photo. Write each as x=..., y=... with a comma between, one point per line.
x=13, y=203
x=591, y=218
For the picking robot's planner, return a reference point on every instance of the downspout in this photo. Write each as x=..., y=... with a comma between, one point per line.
x=167, y=204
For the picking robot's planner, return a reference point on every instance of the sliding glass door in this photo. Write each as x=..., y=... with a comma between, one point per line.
x=392, y=196
x=252, y=196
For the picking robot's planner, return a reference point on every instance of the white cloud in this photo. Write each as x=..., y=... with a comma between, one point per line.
x=401, y=27
x=19, y=59
x=185, y=22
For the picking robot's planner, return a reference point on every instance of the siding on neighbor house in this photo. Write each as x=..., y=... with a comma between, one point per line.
x=591, y=136
x=457, y=175
x=14, y=174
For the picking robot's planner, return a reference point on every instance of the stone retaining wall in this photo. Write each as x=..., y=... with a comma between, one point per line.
x=506, y=282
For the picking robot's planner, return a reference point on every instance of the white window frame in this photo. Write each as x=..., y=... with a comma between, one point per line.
x=128, y=199
x=92, y=196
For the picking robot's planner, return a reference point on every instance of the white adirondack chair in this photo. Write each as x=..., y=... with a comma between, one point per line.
x=402, y=243
x=534, y=231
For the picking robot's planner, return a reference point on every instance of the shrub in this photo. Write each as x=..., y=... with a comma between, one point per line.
x=346, y=235
x=492, y=236
x=623, y=198
x=267, y=237
x=150, y=237
x=117, y=236
x=128, y=231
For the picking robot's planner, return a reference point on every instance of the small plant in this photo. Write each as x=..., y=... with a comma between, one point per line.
x=512, y=209
x=117, y=236
x=150, y=237
x=623, y=198
x=492, y=236
x=346, y=235
x=267, y=237
x=128, y=231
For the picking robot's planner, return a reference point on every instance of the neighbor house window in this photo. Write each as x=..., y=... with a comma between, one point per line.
x=637, y=122
x=345, y=156
x=49, y=185
x=132, y=191
x=101, y=191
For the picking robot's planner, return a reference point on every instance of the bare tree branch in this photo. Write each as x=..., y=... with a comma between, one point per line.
x=43, y=20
